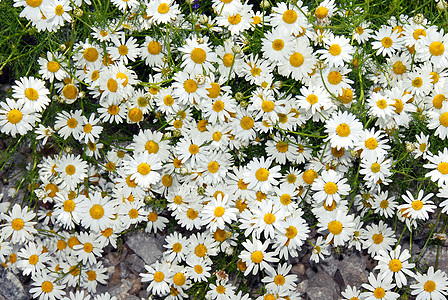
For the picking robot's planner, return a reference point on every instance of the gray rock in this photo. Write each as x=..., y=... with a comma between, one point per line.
x=322, y=287
x=353, y=270
x=124, y=271
x=135, y=263
x=121, y=289
x=302, y=286
x=429, y=258
x=329, y=265
x=146, y=246
x=11, y=287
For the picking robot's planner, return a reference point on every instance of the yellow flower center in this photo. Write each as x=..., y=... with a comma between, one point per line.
x=59, y=10
x=154, y=48
x=437, y=101
x=312, y=99
x=70, y=91
x=33, y=259
x=200, y=250
x=282, y=146
x=90, y=54
x=31, y=94
x=121, y=75
x=429, y=286
x=213, y=167
x=330, y=188
x=220, y=289
x=262, y=174
x=269, y=218
x=53, y=66
x=257, y=257
x=334, y=77
x=228, y=60
x=14, y=116
x=443, y=119
x=417, y=204
x=177, y=247
x=198, y=269
x=309, y=176
x=47, y=286
x=291, y=232
x=375, y=167
x=285, y=199
x=179, y=279
x=291, y=178
x=379, y=293
x=382, y=104
x=335, y=227
x=163, y=8
x=96, y=212
x=34, y=3
x=135, y=114
x=296, y=59
x=192, y=214
x=193, y=149
x=436, y=48
x=190, y=86
x=69, y=205
x=335, y=50
x=123, y=50
x=417, y=82
x=279, y=279
x=234, y=19
x=387, y=42
x=384, y=204
x=399, y=68
x=91, y=275
x=133, y=213
x=278, y=44
x=198, y=55
x=112, y=85
x=144, y=169
x=377, y=238
x=88, y=247
x=247, y=122
x=321, y=12
x=418, y=32
x=395, y=265
x=359, y=30
x=289, y=16
x=70, y=169
x=343, y=130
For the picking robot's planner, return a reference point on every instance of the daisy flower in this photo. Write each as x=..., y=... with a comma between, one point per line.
x=198, y=269
x=379, y=288
x=44, y=287
x=186, y=89
x=143, y=168
x=32, y=259
x=288, y=19
x=395, y=265
x=221, y=291
x=88, y=249
x=362, y=33
x=378, y=237
x=380, y=106
x=32, y=93
x=430, y=286
x=343, y=129
x=229, y=61
x=351, y=293
x=439, y=166
x=203, y=245
x=300, y=63
x=156, y=222
x=197, y=57
x=72, y=170
x=92, y=275
x=386, y=41
x=325, y=10
x=152, y=52
x=329, y=187
x=15, y=118
x=338, y=51
x=384, y=205
x=267, y=218
x=336, y=80
x=163, y=11
x=236, y=21
x=260, y=176
x=276, y=45
x=418, y=83
x=256, y=257
x=56, y=12
x=69, y=123
x=320, y=249
x=97, y=212
x=123, y=5
x=292, y=235
x=417, y=208
x=372, y=144
x=340, y=227
x=376, y=169
x=52, y=67
x=123, y=50
x=279, y=281
x=176, y=247
x=90, y=130
x=438, y=120
x=432, y=47
x=18, y=225
x=159, y=275
x=130, y=213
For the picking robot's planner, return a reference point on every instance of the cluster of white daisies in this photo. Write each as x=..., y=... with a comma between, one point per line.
x=233, y=147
